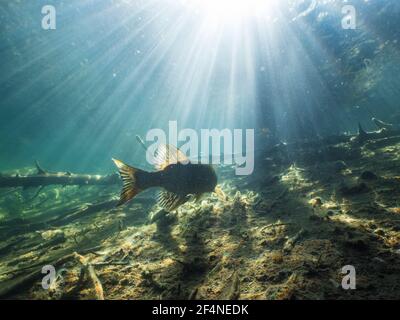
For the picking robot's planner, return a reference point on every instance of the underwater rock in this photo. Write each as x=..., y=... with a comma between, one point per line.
x=277, y=256
x=270, y=181
x=51, y=234
x=368, y=175
x=292, y=241
x=284, y=291
x=354, y=189
x=380, y=232
x=316, y=202
x=149, y=281
x=317, y=218
x=340, y=165
x=197, y=265
x=330, y=213
x=357, y=244
x=161, y=217
x=395, y=210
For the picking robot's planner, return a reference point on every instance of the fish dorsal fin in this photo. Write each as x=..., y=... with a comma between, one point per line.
x=169, y=200
x=167, y=154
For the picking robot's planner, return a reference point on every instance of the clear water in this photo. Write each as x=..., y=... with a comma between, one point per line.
x=76, y=96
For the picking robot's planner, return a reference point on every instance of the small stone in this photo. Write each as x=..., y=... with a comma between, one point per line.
x=368, y=175
x=354, y=189
x=124, y=282
x=51, y=234
x=357, y=244
x=340, y=165
x=316, y=202
x=373, y=226
x=380, y=232
x=377, y=259
x=334, y=283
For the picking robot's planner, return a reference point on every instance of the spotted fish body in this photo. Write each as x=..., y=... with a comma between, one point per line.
x=179, y=178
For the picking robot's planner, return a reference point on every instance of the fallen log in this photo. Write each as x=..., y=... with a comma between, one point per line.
x=45, y=178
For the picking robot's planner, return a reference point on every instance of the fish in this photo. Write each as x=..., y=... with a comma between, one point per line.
x=180, y=179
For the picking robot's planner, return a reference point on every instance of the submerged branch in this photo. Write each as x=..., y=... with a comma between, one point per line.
x=87, y=268
x=44, y=178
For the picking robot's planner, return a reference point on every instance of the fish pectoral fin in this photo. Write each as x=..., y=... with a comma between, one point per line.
x=170, y=201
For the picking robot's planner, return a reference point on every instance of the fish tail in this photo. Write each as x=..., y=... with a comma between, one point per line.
x=130, y=187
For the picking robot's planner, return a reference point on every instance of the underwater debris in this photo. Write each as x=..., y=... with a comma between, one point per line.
x=368, y=175
x=27, y=279
x=148, y=280
x=231, y=291
x=362, y=134
x=193, y=294
x=273, y=225
x=277, y=257
x=380, y=232
x=316, y=202
x=290, y=243
x=263, y=207
x=379, y=260
x=44, y=178
x=340, y=165
x=382, y=125
x=357, y=244
x=121, y=225
x=376, y=138
x=204, y=231
x=221, y=194
x=55, y=289
x=162, y=217
x=395, y=210
x=285, y=291
x=50, y=234
x=354, y=189
x=195, y=265
x=88, y=270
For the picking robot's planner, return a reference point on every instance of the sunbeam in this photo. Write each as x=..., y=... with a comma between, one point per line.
x=204, y=63
x=231, y=10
